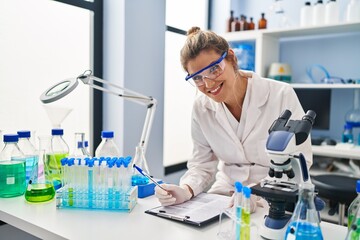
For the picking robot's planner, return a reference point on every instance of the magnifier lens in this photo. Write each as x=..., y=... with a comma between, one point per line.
x=58, y=88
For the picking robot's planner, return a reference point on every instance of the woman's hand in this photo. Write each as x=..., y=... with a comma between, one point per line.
x=174, y=194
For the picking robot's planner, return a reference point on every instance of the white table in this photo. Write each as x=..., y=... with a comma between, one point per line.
x=47, y=222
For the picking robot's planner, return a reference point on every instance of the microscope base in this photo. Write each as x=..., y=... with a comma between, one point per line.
x=272, y=234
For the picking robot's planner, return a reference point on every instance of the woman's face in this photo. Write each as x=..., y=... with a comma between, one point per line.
x=219, y=89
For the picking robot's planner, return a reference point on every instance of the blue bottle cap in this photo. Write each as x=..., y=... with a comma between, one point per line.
x=238, y=187
x=71, y=161
x=111, y=162
x=24, y=134
x=63, y=161
x=86, y=143
x=119, y=162
x=247, y=192
x=126, y=161
x=358, y=186
x=80, y=144
x=11, y=138
x=58, y=131
x=107, y=134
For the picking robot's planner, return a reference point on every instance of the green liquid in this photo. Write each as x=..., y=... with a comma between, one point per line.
x=245, y=225
x=53, y=161
x=12, y=178
x=39, y=192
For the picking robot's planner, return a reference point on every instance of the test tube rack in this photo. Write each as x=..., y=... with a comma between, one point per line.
x=97, y=183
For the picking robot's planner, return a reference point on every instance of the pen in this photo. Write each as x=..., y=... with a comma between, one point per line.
x=148, y=176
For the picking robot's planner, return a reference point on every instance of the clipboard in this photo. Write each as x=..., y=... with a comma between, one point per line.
x=199, y=211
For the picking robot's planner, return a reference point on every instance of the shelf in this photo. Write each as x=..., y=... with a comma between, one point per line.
x=324, y=86
x=340, y=150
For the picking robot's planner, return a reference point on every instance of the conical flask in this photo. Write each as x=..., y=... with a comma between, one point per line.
x=304, y=223
x=40, y=187
x=354, y=227
x=140, y=161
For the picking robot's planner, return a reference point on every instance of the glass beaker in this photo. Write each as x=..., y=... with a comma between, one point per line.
x=40, y=187
x=140, y=161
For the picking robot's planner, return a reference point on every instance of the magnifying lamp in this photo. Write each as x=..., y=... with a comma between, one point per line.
x=63, y=88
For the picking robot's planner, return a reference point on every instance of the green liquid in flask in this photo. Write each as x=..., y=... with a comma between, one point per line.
x=53, y=161
x=12, y=178
x=39, y=192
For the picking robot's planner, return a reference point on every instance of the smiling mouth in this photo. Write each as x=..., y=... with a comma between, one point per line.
x=216, y=90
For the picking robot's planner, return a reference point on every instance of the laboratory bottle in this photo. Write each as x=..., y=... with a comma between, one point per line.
x=107, y=147
x=238, y=208
x=331, y=12
x=40, y=188
x=79, y=148
x=29, y=151
x=304, y=223
x=251, y=24
x=347, y=135
x=319, y=13
x=306, y=15
x=354, y=228
x=235, y=26
x=140, y=161
x=262, y=22
x=353, y=11
x=59, y=150
x=12, y=168
x=355, y=205
x=245, y=214
x=230, y=21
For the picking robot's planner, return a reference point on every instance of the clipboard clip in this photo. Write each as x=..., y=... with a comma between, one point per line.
x=172, y=216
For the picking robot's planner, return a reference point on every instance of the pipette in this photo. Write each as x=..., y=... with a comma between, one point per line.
x=148, y=176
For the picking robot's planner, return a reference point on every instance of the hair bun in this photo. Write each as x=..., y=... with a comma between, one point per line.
x=193, y=31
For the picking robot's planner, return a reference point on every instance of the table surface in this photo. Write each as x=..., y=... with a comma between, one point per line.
x=47, y=222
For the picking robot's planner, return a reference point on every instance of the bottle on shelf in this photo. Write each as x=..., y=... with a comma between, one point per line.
x=59, y=150
x=262, y=22
x=251, y=24
x=354, y=206
x=304, y=223
x=332, y=12
x=347, y=135
x=107, y=147
x=246, y=23
x=12, y=168
x=29, y=151
x=353, y=11
x=306, y=15
x=319, y=13
x=230, y=21
x=235, y=27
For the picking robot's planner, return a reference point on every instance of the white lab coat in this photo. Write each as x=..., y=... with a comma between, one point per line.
x=219, y=150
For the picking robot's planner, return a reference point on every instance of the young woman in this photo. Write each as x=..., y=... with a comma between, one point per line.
x=230, y=121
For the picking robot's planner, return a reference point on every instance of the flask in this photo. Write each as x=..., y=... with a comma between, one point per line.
x=354, y=229
x=251, y=24
x=245, y=214
x=353, y=11
x=306, y=13
x=331, y=12
x=262, y=22
x=12, y=168
x=304, y=223
x=59, y=150
x=86, y=148
x=354, y=206
x=31, y=155
x=79, y=148
x=40, y=187
x=140, y=161
x=319, y=13
x=347, y=135
x=107, y=147
x=230, y=21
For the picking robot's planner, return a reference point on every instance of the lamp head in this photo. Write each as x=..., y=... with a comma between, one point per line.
x=59, y=90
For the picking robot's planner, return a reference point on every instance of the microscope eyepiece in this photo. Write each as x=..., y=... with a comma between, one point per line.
x=285, y=114
x=310, y=116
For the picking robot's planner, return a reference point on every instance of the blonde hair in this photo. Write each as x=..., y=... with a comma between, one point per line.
x=199, y=40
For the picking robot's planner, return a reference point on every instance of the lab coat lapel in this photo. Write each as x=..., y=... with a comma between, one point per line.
x=258, y=94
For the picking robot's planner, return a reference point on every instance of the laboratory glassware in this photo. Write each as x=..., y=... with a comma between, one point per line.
x=355, y=205
x=107, y=147
x=304, y=223
x=79, y=148
x=29, y=151
x=245, y=214
x=347, y=135
x=59, y=150
x=40, y=188
x=354, y=230
x=12, y=168
x=140, y=161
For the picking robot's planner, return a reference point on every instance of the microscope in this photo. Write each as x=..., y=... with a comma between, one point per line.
x=287, y=171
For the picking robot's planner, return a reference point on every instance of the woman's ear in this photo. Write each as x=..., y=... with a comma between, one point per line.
x=232, y=58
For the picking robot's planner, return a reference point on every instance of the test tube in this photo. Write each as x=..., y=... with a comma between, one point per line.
x=245, y=214
x=90, y=182
x=118, y=182
x=110, y=181
x=70, y=179
x=126, y=177
x=237, y=206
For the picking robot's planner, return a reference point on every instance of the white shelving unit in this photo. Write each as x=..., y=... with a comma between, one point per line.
x=267, y=45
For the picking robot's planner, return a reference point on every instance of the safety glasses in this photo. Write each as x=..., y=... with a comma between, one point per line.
x=212, y=71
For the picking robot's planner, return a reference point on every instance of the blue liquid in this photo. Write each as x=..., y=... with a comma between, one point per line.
x=303, y=231
x=139, y=180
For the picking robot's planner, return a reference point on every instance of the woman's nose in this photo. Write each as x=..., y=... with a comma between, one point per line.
x=208, y=82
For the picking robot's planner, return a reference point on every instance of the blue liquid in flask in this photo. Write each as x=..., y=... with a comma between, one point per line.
x=303, y=231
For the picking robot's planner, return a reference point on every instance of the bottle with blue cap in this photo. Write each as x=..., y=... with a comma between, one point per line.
x=59, y=150
x=30, y=152
x=355, y=205
x=12, y=168
x=107, y=147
